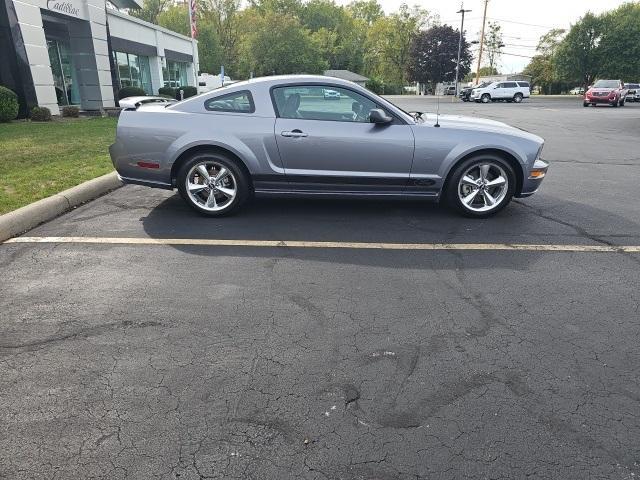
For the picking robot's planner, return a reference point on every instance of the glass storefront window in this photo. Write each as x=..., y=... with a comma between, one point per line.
x=64, y=73
x=133, y=71
x=174, y=74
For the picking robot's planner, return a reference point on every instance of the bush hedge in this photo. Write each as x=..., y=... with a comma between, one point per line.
x=70, y=111
x=8, y=105
x=40, y=114
x=167, y=92
x=125, y=92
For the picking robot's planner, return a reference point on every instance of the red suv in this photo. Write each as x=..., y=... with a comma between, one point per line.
x=612, y=92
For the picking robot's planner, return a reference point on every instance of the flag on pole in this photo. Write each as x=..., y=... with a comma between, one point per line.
x=193, y=18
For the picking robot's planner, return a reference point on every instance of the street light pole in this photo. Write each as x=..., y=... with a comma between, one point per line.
x=462, y=11
x=484, y=22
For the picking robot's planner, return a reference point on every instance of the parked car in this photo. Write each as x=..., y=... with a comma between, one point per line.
x=136, y=102
x=270, y=136
x=465, y=93
x=450, y=90
x=611, y=92
x=633, y=95
x=505, y=91
x=577, y=91
x=331, y=94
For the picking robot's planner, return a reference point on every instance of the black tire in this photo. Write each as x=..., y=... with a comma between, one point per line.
x=585, y=104
x=622, y=102
x=615, y=104
x=518, y=97
x=238, y=174
x=485, y=98
x=452, y=198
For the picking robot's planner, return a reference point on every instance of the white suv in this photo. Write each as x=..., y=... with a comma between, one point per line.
x=509, y=91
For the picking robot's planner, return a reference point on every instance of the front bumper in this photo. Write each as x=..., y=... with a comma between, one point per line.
x=535, y=176
x=594, y=99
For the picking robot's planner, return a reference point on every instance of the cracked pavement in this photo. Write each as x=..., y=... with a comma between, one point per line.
x=191, y=362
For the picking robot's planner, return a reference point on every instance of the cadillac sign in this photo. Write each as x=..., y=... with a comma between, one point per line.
x=73, y=8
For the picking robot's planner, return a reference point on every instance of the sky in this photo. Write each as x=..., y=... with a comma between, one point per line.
x=523, y=22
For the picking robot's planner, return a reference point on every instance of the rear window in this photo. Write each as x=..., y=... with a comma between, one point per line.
x=236, y=102
x=524, y=84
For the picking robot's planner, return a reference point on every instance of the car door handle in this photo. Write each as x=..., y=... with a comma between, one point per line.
x=294, y=133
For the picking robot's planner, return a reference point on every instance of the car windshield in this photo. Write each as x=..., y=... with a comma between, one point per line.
x=606, y=84
x=633, y=85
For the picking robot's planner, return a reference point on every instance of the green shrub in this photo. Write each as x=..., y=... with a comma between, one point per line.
x=375, y=85
x=70, y=111
x=40, y=114
x=188, y=90
x=8, y=105
x=167, y=92
x=125, y=92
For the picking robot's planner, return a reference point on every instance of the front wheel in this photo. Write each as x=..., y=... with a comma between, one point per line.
x=518, y=97
x=212, y=184
x=585, y=104
x=481, y=186
x=486, y=98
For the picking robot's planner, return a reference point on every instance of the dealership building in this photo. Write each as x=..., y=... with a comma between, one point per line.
x=81, y=52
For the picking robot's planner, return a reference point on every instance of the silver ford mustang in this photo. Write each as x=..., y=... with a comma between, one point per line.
x=283, y=136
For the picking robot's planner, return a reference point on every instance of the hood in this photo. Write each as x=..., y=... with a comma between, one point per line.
x=476, y=124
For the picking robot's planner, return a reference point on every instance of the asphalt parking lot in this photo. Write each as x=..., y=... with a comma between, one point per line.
x=136, y=361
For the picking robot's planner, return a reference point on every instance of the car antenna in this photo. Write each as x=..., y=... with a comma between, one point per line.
x=437, y=125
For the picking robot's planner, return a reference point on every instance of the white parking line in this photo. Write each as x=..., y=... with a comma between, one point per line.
x=337, y=245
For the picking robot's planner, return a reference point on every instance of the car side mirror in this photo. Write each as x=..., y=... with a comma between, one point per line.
x=379, y=116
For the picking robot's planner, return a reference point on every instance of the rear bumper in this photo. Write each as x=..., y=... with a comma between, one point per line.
x=146, y=183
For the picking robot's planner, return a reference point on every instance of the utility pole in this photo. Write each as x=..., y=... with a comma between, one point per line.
x=484, y=21
x=462, y=11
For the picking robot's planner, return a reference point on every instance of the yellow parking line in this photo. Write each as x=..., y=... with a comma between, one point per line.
x=338, y=245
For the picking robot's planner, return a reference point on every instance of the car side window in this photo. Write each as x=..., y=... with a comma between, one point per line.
x=510, y=85
x=322, y=102
x=499, y=85
x=236, y=102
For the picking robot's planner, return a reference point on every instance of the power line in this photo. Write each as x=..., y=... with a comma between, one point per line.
x=521, y=23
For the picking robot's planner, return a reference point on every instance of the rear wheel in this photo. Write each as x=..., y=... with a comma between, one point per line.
x=481, y=186
x=518, y=97
x=486, y=98
x=212, y=184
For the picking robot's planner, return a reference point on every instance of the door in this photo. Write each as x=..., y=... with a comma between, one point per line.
x=499, y=91
x=327, y=143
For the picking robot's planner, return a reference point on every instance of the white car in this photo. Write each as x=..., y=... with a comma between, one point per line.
x=331, y=94
x=507, y=91
x=135, y=102
x=577, y=91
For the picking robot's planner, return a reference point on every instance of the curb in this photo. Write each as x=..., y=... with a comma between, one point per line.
x=30, y=216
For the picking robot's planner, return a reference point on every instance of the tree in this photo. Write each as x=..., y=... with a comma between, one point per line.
x=578, y=57
x=434, y=55
x=389, y=43
x=493, y=44
x=224, y=18
x=150, y=10
x=619, y=46
x=542, y=66
x=276, y=43
x=366, y=10
x=176, y=19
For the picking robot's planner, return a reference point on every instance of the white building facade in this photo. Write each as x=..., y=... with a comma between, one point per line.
x=81, y=52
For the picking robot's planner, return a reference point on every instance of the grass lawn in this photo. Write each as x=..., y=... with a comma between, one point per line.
x=40, y=159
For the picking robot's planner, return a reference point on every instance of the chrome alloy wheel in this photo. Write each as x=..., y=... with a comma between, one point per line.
x=211, y=186
x=483, y=187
